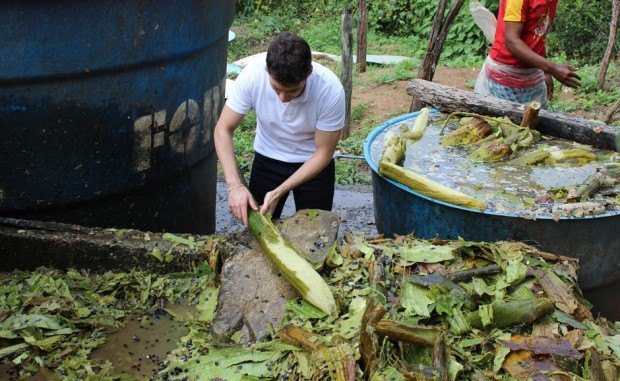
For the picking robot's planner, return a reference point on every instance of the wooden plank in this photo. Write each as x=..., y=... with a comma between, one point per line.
x=27, y=245
x=449, y=99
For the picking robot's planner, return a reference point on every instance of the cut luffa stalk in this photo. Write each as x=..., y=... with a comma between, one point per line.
x=474, y=130
x=513, y=313
x=409, y=333
x=427, y=186
x=530, y=158
x=394, y=150
x=491, y=151
x=287, y=260
x=552, y=155
x=576, y=153
x=593, y=183
x=421, y=121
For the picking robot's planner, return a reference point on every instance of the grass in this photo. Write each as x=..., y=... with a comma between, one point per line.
x=589, y=100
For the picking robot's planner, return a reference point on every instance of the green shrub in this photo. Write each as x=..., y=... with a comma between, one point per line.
x=415, y=18
x=581, y=30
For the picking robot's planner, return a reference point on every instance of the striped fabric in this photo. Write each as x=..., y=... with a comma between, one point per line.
x=523, y=95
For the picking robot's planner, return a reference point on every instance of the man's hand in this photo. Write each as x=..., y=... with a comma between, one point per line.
x=239, y=197
x=271, y=201
x=566, y=75
x=549, y=83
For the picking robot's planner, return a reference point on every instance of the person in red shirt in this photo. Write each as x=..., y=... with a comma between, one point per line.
x=517, y=68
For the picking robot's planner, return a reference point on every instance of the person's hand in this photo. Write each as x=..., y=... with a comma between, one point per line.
x=271, y=201
x=549, y=82
x=239, y=197
x=566, y=75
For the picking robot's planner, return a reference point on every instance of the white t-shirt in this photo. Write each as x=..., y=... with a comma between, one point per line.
x=285, y=131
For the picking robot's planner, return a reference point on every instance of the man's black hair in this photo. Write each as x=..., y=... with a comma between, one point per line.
x=289, y=59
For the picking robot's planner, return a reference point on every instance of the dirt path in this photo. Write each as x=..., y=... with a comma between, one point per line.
x=391, y=99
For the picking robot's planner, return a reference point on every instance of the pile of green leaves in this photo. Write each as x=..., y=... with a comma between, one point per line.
x=560, y=341
x=54, y=319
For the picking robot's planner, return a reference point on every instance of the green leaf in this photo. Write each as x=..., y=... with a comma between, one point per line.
x=236, y=337
x=614, y=344
x=422, y=253
x=45, y=344
x=83, y=312
x=388, y=373
x=180, y=240
x=207, y=304
x=415, y=300
x=12, y=349
x=19, y=321
x=304, y=310
x=231, y=364
x=515, y=271
x=500, y=356
x=486, y=314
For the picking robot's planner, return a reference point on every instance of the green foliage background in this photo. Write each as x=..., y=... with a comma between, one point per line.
x=581, y=30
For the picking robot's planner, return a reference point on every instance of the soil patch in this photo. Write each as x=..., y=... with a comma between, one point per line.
x=391, y=99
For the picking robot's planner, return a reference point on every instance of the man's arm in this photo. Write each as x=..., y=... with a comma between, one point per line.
x=325, y=142
x=239, y=197
x=515, y=45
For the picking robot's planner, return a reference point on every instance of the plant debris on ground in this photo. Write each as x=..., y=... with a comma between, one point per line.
x=408, y=309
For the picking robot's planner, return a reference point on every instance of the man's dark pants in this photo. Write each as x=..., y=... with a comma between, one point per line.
x=267, y=174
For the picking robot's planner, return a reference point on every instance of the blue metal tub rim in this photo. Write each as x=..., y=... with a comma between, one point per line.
x=367, y=155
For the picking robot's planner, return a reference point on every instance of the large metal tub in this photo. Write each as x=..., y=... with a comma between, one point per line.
x=107, y=110
x=595, y=241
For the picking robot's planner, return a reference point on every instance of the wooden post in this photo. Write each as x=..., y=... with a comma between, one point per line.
x=530, y=117
x=611, y=112
x=347, y=67
x=613, y=29
x=437, y=39
x=362, y=30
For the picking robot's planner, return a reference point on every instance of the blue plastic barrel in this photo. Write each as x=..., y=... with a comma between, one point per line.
x=107, y=110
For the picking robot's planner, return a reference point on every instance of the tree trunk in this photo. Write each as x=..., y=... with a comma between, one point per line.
x=362, y=30
x=347, y=67
x=368, y=341
x=437, y=39
x=611, y=112
x=449, y=99
x=613, y=29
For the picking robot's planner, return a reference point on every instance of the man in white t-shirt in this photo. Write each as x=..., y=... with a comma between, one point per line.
x=300, y=109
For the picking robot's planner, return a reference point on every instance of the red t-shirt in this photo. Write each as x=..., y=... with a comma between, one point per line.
x=537, y=16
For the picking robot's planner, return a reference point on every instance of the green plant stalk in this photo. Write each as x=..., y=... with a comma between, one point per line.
x=427, y=186
x=491, y=151
x=530, y=158
x=487, y=118
x=405, y=332
x=572, y=154
x=287, y=261
x=394, y=151
x=514, y=313
x=421, y=122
